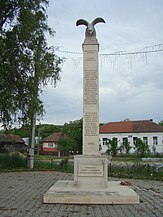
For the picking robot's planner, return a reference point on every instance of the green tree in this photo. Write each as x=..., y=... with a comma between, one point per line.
x=23, y=131
x=27, y=63
x=112, y=146
x=126, y=146
x=44, y=130
x=74, y=130
x=48, y=129
x=161, y=123
x=141, y=147
x=66, y=145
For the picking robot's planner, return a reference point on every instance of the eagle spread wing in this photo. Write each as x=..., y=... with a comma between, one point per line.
x=81, y=22
x=98, y=20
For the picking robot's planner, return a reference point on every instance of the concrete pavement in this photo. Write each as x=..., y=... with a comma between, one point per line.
x=21, y=195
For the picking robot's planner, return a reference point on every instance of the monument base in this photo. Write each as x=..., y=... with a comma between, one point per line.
x=67, y=192
x=91, y=170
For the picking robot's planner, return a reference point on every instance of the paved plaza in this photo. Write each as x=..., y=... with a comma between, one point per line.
x=21, y=195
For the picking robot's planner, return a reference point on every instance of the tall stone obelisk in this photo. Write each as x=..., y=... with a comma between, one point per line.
x=90, y=96
x=90, y=168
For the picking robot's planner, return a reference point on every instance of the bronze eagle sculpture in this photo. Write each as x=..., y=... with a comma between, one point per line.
x=90, y=30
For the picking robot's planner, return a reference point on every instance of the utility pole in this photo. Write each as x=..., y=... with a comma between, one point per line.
x=30, y=163
x=34, y=107
x=39, y=139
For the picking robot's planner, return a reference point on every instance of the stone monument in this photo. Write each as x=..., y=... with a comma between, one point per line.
x=90, y=169
x=90, y=185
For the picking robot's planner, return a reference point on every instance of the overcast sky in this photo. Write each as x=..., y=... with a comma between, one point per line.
x=131, y=86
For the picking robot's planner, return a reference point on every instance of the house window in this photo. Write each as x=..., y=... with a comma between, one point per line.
x=134, y=140
x=155, y=140
x=104, y=141
x=145, y=140
x=115, y=140
x=50, y=145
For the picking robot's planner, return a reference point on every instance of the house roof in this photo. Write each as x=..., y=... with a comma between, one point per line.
x=10, y=138
x=54, y=137
x=131, y=127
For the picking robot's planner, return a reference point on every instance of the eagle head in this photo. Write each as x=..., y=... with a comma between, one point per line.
x=90, y=29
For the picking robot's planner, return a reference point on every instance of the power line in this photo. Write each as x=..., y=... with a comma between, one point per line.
x=69, y=52
x=131, y=53
x=146, y=50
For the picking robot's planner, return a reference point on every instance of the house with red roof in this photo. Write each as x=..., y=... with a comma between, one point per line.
x=148, y=131
x=49, y=144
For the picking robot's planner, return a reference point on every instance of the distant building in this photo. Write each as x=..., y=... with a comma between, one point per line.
x=10, y=143
x=36, y=141
x=49, y=144
x=148, y=131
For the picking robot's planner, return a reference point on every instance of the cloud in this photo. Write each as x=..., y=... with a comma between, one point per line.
x=130, y=86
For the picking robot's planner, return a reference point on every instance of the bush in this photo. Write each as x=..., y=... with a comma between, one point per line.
x=51, y=165
x=42, y=165
x=12, y=161
x=136, y=170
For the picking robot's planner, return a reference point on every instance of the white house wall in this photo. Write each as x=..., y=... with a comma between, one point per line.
x=46, y=145
x=120, y=136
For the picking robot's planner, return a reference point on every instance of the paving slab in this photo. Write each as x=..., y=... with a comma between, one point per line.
x=21, y=194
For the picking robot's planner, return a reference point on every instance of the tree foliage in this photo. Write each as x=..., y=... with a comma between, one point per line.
x=73, y=130
x=27, y=64
x=23, y=132
x=141, y=147
x=112, y=146
x=43, y=130
x=126, y=146
x=161, y=123
x=66, y=144
x=47, y=129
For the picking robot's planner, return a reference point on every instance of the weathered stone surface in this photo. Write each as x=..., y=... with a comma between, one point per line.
x=90, y=99
x=90, y=170
x=70, y=193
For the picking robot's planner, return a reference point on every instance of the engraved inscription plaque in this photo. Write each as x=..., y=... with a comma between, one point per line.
x=90, y=170
x=90, y=60
x=91, y=124
x=91, y=100
x=91, y=87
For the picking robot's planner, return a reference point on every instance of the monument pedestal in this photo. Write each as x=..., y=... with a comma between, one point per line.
x=90, y=185
x=67, y=192
x=91, y=170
